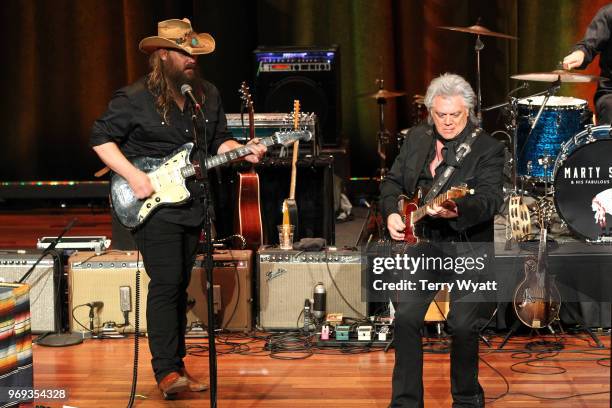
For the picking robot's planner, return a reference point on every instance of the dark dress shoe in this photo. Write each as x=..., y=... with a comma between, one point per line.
x=172, y=384
x=194, y=384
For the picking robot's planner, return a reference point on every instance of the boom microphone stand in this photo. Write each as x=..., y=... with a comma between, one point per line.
x=57, y=339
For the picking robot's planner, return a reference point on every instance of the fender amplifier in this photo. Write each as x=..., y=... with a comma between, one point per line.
x=99, y=277
x=44, y=286
x=287, y=278
x=233, y=296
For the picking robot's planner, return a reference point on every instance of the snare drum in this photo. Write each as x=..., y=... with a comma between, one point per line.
x=561, y=119
x=583, y=183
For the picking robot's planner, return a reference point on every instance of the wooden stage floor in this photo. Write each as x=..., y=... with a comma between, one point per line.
x=98, y=374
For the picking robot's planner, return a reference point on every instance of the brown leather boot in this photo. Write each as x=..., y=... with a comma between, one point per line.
x=194, y=384
x=172, y=384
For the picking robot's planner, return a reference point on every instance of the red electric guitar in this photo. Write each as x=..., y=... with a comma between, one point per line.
x=413, y=213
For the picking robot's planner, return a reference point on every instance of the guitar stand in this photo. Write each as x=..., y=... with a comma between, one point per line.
x=578, y=319
x=441, y=339
x=372, y=229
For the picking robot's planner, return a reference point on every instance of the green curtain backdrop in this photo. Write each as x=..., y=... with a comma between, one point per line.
x=64, y=58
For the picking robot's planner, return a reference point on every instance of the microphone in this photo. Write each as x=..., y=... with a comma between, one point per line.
x=187, y=92
x=96, y=305
x=318, y=308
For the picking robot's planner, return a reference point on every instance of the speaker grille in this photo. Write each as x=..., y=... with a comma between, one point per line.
x=283, y=287
x=44, y=293
x=94, y=277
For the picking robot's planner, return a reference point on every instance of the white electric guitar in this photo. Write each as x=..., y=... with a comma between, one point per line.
x=168, y=175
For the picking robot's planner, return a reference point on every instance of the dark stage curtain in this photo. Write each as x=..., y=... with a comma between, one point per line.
x=64, y=58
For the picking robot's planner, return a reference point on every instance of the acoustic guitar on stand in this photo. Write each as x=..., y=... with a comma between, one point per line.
x=290, y=210
x=412, y=213
x=248, y=210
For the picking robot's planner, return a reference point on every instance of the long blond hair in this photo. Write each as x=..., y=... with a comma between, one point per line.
x=159, y=86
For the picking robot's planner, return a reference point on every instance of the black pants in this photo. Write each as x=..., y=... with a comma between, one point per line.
x=464, y=321
x=603, y=108
x=168, y=251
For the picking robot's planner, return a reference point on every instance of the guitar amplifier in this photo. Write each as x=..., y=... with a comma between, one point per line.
x=96, y=277
x=268, y=123
x=232, y=274
x=287, y=278
x=44, y=286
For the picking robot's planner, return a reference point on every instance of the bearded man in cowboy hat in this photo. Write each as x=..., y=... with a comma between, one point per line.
x=151, y=118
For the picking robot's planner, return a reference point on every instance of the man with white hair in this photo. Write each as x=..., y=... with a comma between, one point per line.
x=428, y=151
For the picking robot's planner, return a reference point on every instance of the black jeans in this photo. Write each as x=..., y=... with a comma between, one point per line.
x=168, y=251
x=464, y=321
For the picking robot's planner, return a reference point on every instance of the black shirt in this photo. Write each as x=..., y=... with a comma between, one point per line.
x=597, y=41
x=133, y=123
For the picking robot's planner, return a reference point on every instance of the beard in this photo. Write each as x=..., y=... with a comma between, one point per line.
x=177, y=77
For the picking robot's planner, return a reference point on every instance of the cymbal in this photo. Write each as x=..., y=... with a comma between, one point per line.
x=552, y=76
x=479, y=30
x=383, y=94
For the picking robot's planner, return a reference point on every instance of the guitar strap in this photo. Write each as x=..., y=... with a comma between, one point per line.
x=442, y=178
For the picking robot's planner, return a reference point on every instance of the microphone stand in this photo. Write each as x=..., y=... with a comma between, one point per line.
x=50, y=248
x=201, y=153
x=57, y=339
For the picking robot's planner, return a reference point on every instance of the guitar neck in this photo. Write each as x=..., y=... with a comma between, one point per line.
x=237, y=153
x=421, y=212
x=296, y=147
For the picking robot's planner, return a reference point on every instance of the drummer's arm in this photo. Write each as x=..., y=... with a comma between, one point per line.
x=595, y=39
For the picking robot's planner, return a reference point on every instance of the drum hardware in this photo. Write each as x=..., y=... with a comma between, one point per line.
x=560, y=75
x=552, y=89
x=373, y=227
x=479, y=30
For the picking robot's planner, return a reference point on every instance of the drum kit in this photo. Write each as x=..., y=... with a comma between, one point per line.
x=557, y=152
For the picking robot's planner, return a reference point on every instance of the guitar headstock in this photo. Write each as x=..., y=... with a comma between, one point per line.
x=245, y=95
x=459, y=191
x=296, y=114
x=287, y=138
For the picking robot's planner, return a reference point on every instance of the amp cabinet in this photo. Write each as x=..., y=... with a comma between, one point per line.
x=287, y=278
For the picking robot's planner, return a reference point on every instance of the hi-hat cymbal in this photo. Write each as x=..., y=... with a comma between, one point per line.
x=560, y=74
x=479, y=30
x=383, y=94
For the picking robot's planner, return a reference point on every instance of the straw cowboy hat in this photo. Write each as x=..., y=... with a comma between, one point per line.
x=178, y=34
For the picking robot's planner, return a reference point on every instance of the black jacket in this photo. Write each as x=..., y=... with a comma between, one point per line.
x=597, y=41
x=481, y=170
